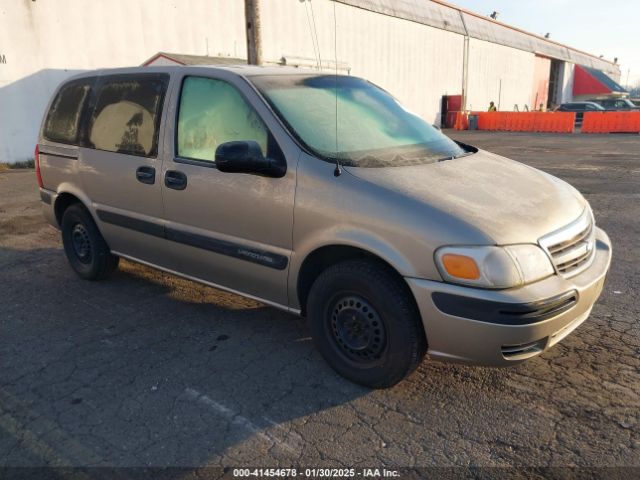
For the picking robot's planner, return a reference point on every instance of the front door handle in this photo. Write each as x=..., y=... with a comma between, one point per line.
x=146, y=175
x=175, y=180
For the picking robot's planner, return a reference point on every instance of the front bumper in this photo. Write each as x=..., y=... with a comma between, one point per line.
x=503, y=327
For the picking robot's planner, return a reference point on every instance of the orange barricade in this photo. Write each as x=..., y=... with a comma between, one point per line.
x=501, y=123
x=591, y=122
x=493, y=120
x=568, y=121
x=634, y=121
x=529, y=121
x=462, y=121
x=483, y=121
x=611, y=122
x=561, y=122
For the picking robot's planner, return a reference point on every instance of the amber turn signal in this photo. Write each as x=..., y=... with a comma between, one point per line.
x=460, y=266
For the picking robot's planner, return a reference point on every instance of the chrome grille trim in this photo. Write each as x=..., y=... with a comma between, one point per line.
x=572, y=248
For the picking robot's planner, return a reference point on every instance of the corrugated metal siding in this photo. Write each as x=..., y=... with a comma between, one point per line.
x=492, y=32
x=500, y=74
x=565, y=85
x=417, y=64
x=45, y=42
x=420, y=11
x=450, y=18
x=541, y=76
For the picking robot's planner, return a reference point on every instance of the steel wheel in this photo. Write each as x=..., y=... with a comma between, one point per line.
x=357, y=329
x=81, y=243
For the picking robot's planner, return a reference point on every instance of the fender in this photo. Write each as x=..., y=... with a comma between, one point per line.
x=76, y=191
x=347, y=236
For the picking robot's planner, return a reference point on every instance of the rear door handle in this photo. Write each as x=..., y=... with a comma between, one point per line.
x=175, y=180
x=146, y=175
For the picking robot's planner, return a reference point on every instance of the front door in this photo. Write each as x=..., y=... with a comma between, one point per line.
x=229, y=229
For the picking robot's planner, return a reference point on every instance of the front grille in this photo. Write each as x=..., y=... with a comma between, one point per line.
x=572, y=247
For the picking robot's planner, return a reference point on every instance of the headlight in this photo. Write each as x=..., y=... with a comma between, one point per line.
x=493, y=267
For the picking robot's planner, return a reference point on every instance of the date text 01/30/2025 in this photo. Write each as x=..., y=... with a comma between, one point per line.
x=315, y=472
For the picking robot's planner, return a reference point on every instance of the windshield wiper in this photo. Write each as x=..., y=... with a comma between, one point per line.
x=453, y=157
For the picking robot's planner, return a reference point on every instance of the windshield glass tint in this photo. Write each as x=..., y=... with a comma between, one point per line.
x=373, y=129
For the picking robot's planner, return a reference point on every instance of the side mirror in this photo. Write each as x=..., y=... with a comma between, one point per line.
x=247, y=157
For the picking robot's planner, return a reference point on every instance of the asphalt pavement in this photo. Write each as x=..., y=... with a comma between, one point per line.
x=148, y=369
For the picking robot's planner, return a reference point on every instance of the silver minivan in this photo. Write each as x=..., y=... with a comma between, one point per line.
x=321, y=195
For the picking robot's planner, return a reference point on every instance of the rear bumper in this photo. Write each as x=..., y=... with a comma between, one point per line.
x=48, y=199
x=503, y=327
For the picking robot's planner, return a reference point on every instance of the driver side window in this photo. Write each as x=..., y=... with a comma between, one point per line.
x=212, y=112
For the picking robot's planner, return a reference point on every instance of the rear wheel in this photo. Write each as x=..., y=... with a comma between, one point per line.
x=86, y=249
x=365, y=323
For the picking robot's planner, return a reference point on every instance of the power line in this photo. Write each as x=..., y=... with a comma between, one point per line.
x=316, y=49
x=316, y=32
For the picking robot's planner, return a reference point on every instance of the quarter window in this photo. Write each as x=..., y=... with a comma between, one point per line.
x=126, y=116
x=213, y=112
x=63, y=120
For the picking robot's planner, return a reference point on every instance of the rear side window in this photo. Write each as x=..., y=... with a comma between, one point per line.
x=126, y=115
x=63, y=119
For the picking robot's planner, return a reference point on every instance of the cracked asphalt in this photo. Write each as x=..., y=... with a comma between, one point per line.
x=147, y=369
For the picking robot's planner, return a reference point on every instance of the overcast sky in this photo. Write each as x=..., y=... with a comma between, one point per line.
x=610, y=28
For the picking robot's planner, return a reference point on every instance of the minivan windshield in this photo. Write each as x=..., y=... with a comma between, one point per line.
x=372, y=128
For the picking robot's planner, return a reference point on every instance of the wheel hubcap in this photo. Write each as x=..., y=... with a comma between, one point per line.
x=81, y=243
x=358, y=329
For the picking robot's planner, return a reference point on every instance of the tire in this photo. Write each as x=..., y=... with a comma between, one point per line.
x=365, y=323
x=84, y=246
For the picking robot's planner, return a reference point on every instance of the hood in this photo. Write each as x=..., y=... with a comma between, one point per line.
x=507, y=200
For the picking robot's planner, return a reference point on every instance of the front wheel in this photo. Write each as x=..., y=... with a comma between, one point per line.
x=365, y=323
x=84, y=246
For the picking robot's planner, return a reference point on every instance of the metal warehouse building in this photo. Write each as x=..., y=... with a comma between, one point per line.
x=419, y=50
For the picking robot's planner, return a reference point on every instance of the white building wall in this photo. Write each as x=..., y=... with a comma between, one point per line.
x=565, y=87
x=418, y=64
x=500, y=74
x=44, y=42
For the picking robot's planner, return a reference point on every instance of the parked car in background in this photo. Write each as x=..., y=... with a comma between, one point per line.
x=616, y=104
x=636, y=101
x=580, y=108
x=404, y=241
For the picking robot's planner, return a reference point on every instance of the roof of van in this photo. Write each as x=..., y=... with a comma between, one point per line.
x=253, y=70
x=240, y=70
x=186, y=59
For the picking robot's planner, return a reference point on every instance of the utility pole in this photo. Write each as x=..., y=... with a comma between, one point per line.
x=254, y=38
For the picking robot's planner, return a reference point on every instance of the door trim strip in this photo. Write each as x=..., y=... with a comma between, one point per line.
x=131, y=223
x=230, y=249
x=223, y=247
